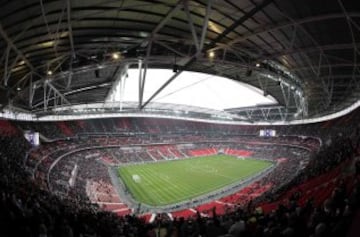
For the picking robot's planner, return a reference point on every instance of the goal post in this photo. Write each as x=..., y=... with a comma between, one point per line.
x=136, y=178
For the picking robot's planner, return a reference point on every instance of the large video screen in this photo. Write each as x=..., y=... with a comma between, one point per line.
x=267, y=133
x=32, y=137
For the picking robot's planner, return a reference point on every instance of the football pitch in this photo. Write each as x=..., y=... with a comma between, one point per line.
x=169, y=182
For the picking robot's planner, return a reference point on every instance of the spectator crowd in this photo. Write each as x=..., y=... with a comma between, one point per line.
x=28, y=209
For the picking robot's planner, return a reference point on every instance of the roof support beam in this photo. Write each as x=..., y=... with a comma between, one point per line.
x=240, y=21
x=188, y=62
x=142, y=74
x=263, y=82
x=199, y=43
x=335, y=65
x=268, y=113
x=168, y=16
x=173, y=77
x=7, y=53
x=18, y=36
x=69, y=77
x=140, y=82
x=323, y=60
x=293, y=37
x=220, y=37
x=32, y=88
x=69, y=24
x=191, y=25
x=286, y=91
x=88, y=88
x=205, y=24
x=51, y=36
x=272, y=28
x=58, y=93
x=12, y=45
x=331, y=47
x=282, y=114
x=169, y=48
x=49, y=89
x=118, y=75
x=45, y=102
x=22, y=80
x=351, y=24
x=8, y=70
x=122, y=90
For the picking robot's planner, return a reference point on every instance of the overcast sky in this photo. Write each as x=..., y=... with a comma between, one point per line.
x=196, y=89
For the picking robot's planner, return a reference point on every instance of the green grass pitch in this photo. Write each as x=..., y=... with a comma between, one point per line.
x=174, y=181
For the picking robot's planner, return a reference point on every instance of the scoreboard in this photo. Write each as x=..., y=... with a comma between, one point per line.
x=32, y=137
x=267, y=133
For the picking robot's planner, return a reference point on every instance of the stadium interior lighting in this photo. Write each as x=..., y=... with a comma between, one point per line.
x=116, y=55
x=211, y=54
x=18, y=89
x=257, y=65
x=49, y=72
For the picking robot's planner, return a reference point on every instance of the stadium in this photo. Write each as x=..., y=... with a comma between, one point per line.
x=180, y=118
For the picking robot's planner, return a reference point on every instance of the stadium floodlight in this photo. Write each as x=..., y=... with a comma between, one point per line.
x=115, y=55
x=211, y=54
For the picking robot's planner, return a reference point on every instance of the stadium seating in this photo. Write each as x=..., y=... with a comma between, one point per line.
x=202, y=152
x=7, y=129
x=242, y=153
x=72, y=170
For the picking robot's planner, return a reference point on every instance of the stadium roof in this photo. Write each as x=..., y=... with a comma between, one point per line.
x=193, y=89
x=302, y=53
